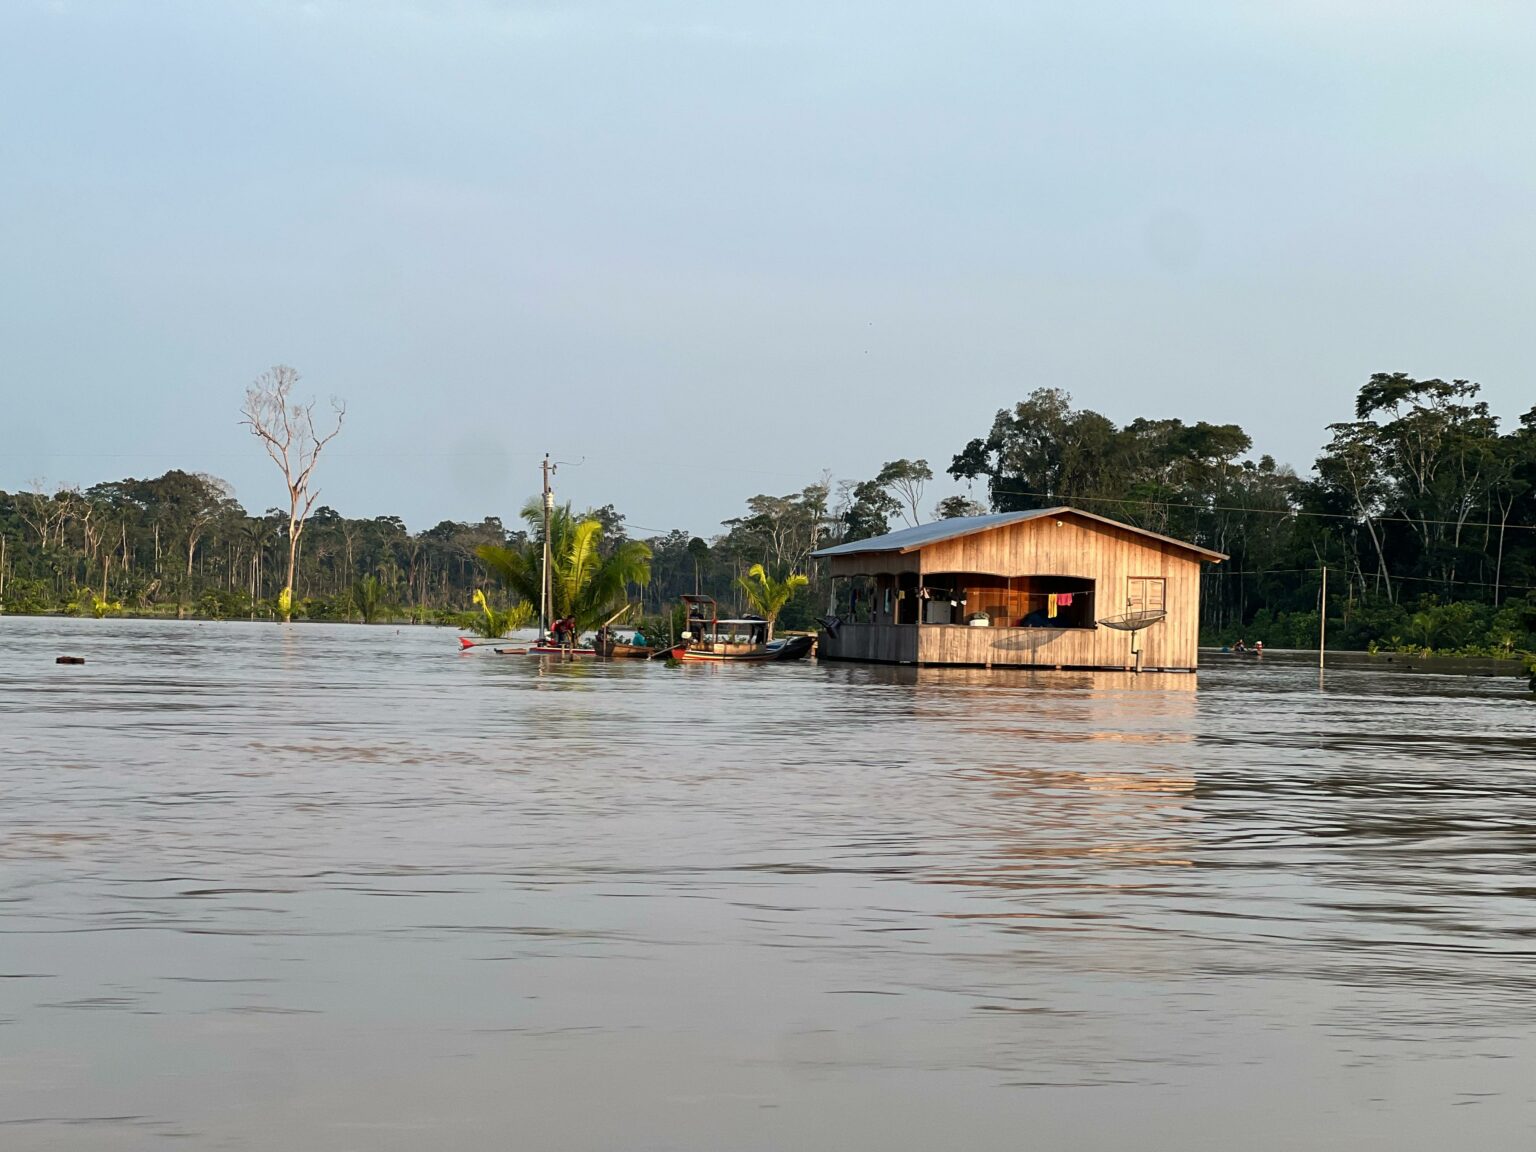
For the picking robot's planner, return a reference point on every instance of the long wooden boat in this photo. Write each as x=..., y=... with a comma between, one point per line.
x=711, y=640
x=536, y=648
x=563, y=650
x=723, y=654
x=611, y=649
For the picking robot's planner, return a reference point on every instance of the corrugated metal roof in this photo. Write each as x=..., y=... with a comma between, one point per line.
x=924, y=534
x=911, y=539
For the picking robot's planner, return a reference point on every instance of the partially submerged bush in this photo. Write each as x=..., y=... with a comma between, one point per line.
x=493, y=623
x=25, y=597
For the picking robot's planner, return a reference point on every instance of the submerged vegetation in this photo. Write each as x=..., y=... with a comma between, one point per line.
x=767, y=596
x=180, y=545
x=1421, y=506
x=494, y=623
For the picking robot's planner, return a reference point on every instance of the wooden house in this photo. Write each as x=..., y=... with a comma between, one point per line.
x=1050, y=588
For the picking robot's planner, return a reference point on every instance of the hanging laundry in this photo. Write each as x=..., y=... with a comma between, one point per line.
x=1050, y=606
x=1064, y=599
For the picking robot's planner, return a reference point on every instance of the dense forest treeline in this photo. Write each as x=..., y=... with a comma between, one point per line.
x=1421, y=505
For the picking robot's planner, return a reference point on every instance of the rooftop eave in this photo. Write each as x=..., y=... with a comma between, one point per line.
x=1206, y=554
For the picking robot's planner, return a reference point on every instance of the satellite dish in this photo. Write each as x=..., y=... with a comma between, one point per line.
x=1134, y=621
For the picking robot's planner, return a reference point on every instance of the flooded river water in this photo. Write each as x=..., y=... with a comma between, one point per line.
x=344, y=888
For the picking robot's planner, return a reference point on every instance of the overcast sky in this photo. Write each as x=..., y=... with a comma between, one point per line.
x=717, y=248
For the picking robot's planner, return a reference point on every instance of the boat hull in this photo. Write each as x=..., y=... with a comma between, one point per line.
x=792, y=648
x=702, y=657
x=627, y=652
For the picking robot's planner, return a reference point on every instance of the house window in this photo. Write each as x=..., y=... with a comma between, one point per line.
x=1009, y=601
x=1147, y=594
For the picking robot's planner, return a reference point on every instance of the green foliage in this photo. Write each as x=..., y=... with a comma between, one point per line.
x=1429, y=626
x=493, y=623
x=953, y=507
x=101, y=607
x=323, y=609
x=663, y=627
x=26, y=597
x=897, y=489
x=179, y=544
x=87, y=603
x=224, y=604
x=905, y=480
x=591, y=573
x=1419, y=494
x=778, y=531
x=367, y=599
x=1043, y=453
x=869, y=511
x=767, y=596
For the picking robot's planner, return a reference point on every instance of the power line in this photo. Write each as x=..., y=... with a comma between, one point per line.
x=1232, y=573
x=1145, y=502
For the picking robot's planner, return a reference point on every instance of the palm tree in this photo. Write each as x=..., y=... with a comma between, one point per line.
x=366, y=598
x=767, y=596
x=587, y=585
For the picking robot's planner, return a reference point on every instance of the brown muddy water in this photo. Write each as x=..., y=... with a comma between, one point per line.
x=343, y=888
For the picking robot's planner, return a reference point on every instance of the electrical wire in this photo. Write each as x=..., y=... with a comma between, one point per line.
x=1289, y=512
x=1228, y=574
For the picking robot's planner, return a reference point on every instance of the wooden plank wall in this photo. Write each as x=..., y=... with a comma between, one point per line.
x=873, y=643
x=1064, y=546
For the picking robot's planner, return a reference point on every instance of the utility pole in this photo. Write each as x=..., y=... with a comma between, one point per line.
x=1322, y=622
x=546, y=588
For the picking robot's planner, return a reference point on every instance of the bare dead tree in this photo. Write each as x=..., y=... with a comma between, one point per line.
x=286, y=429
x=46, y=515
